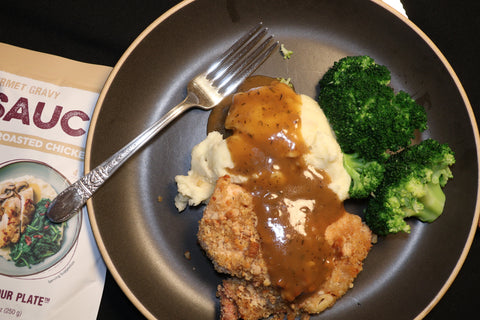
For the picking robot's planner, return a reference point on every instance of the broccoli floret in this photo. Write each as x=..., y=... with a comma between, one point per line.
x=287, y=81
x=369, y=119
x=287, y=54
x=355, y=68
x=366, y=175
x=366, y=115
x=412, y=187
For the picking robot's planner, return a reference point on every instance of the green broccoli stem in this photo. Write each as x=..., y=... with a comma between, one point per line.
x=433, y=201
x=351, y=163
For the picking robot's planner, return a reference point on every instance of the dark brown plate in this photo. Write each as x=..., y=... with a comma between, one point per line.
x=143, y=241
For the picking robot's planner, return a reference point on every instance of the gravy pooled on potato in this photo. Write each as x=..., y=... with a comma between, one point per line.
x=292, y=200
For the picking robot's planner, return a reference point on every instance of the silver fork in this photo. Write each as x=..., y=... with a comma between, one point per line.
x=204, y=91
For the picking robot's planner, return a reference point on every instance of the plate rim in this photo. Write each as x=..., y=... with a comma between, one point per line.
x=140, y=38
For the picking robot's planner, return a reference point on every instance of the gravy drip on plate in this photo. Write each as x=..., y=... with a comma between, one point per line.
x=292, y=201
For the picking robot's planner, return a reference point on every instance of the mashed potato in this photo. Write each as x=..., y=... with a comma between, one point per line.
x=325, y=152
x=211, y=158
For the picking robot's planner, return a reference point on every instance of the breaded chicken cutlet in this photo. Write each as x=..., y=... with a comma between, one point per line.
x=228, y=234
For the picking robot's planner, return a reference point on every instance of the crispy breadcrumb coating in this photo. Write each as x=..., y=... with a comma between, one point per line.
x=228, y=234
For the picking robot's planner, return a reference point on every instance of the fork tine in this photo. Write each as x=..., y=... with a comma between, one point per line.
x=231, y=51
x=234, y=57
x=250, y=63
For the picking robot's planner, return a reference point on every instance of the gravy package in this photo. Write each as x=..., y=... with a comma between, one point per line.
x=47, y=270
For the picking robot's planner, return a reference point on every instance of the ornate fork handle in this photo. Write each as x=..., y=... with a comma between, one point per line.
x=88, y=184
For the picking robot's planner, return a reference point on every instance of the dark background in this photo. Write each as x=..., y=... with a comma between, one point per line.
x=100, y=31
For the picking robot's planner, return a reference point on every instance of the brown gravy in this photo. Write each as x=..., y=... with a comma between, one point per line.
x=293, y=204
x=216, y=119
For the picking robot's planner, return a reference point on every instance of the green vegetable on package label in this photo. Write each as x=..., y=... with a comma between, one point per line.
x=40, y=240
